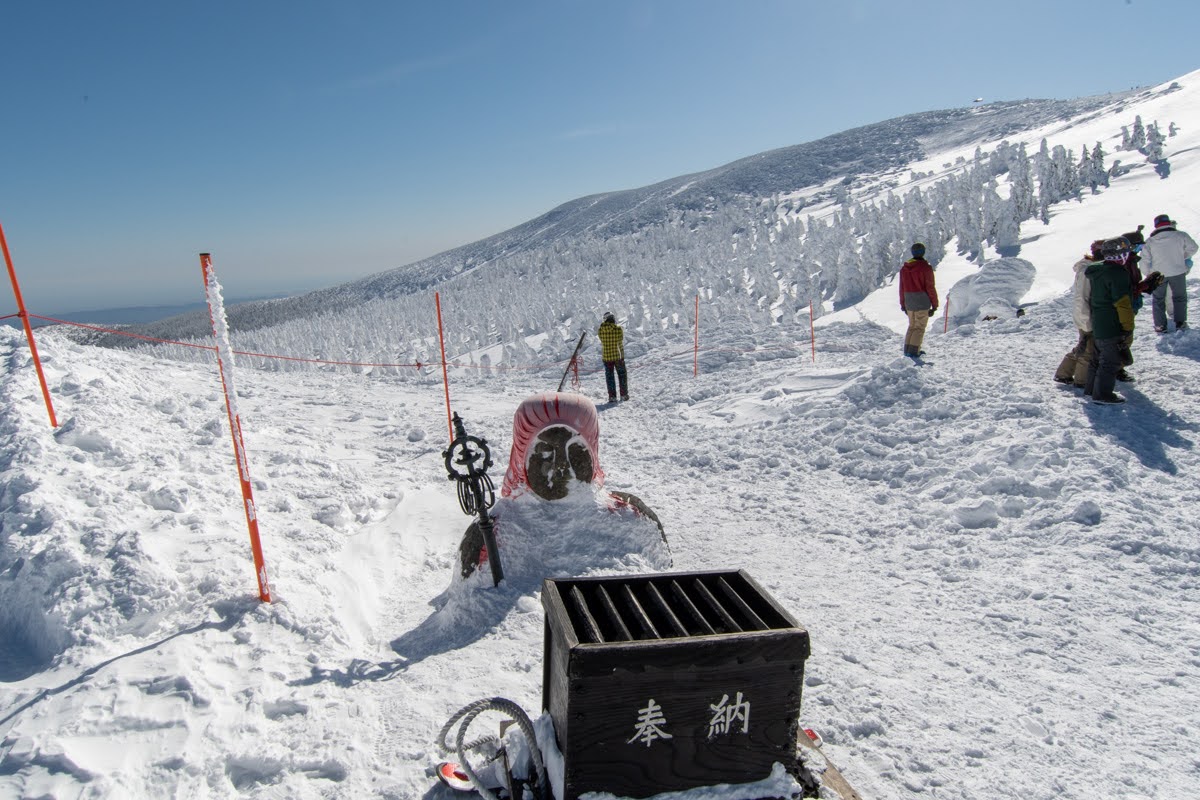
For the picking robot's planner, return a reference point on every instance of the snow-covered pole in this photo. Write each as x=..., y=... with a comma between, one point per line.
x=946, y=316
x=437, y=301
x=812, y=332
x=24, y=315
x=696, y=342
x=216, y=311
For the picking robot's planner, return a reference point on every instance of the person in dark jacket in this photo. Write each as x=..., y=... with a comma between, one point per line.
x=1141, y=285
x=918, y=299
x=1112, y=319
x=612, y=344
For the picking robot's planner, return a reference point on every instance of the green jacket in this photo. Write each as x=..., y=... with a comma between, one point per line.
x=1112, y=306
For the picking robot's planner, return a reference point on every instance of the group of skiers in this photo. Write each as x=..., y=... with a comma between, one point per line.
x=1108, y=294
x=1108, y=290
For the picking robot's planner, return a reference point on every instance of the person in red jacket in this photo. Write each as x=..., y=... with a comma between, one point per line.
x=918, y=299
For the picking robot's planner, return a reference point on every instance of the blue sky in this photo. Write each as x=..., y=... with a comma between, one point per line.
x=305, y=144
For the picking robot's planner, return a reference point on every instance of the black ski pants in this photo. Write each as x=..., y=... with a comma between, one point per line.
x=619, y=368
x=1103, y=368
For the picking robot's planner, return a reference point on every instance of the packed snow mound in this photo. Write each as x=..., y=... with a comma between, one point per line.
x=995, y=291
x=577, y=535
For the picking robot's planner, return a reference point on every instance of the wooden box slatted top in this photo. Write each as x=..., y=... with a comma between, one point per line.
x=665, y=682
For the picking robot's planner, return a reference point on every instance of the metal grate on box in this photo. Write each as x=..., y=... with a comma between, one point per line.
x=668, y=607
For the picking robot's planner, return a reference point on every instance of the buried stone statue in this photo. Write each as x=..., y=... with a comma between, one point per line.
x=554, y=485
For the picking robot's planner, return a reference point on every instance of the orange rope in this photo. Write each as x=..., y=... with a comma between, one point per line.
x=579, y=370
x=122, y=333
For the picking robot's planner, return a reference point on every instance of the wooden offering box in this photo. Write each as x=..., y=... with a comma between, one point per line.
x=665, y=682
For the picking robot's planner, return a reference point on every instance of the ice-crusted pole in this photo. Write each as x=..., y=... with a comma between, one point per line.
x=216, y=310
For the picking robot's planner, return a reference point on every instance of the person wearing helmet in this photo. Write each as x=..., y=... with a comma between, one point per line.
x=1140, y=286
x=1169, y=251
x=1112, y=319
x=918, y=299
x=612, y=342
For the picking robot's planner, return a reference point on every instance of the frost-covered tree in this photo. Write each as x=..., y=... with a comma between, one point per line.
x=1137, y=139
x=1099, y=171
x=1068, y=174
x=1020, y=181
x=1084, y=169
x=1006, y=230
x=1041, y=162
x=1154, y=144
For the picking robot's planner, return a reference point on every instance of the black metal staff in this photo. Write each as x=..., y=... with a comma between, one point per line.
x=467, y=461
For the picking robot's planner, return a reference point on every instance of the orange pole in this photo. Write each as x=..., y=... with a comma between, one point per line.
x=239, y=446
x=437, y=300
x=37, y=362
x=696, y=345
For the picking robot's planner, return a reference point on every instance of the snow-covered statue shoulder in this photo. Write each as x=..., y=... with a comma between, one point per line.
x=554, y=515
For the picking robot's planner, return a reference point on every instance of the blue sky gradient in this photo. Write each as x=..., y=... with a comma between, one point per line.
x=305, y=144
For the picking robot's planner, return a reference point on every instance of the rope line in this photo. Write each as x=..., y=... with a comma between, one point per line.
x=577, y=368
x=122, y=333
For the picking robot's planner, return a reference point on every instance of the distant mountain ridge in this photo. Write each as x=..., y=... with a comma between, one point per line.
x=131, y=315
x=869, y=149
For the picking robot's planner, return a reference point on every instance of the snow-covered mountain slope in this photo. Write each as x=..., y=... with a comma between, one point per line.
x=810, y=169
x=760, y=263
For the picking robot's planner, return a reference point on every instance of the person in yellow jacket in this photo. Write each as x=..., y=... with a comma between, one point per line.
x=612, y=341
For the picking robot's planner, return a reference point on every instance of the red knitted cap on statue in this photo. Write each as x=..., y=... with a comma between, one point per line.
x=542, y=411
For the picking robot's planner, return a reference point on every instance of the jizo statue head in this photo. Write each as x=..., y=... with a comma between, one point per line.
x=557, y=457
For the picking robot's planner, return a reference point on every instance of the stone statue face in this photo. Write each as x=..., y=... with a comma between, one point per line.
x=554, y=460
